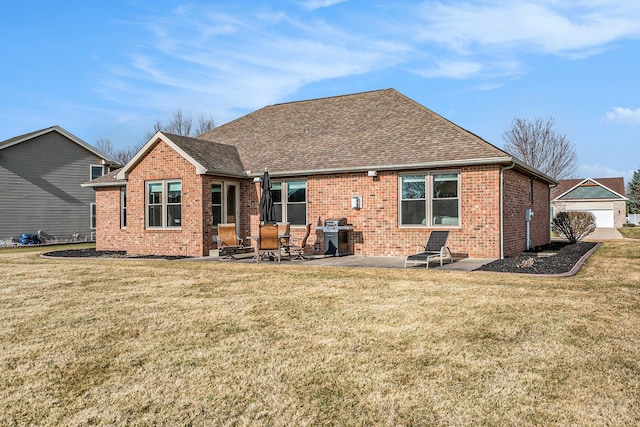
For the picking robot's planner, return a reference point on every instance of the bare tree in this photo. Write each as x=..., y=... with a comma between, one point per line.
x=182, y=125
x=205, y=124
x=121, y=155
x=179, y=125
x=537, y=144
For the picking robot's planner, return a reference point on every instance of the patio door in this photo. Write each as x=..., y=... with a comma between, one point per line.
x=232, y=203
x=224, y=204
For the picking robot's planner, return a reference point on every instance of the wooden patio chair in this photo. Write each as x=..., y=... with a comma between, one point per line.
x=268, y=242
x=298, y=250
x=228, y=240
x=436, y=247
x=284, y=231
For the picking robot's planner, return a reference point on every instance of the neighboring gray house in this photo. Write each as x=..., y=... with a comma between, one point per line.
x=40, y=176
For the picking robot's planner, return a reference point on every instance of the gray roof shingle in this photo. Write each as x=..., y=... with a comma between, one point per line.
x=370, y=130
x=215, y=157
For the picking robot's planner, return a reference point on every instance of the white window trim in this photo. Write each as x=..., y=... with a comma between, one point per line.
x=91, y=170
x=429, y=199
x=164, y=204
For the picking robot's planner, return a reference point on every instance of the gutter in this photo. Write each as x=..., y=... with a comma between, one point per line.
x=424, y=165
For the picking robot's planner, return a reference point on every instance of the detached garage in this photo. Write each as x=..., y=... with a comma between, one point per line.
x=603, y=197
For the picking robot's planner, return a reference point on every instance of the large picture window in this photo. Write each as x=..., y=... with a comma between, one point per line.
x=290, y=201
x=164, y=204
x=430, y=199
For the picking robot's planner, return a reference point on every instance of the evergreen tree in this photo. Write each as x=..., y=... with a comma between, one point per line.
x=633, y=193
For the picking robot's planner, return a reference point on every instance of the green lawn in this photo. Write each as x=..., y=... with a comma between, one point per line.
x=130, y=342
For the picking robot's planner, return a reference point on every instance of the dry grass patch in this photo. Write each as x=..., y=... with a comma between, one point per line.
x=630, y=232
x=184, y=342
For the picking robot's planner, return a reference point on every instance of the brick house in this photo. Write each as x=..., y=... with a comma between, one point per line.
x=411, y=170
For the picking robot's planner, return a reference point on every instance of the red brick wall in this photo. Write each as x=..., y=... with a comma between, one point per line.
x=517, y=190
x=109, y=235
x=376, y=230
x=163, y=163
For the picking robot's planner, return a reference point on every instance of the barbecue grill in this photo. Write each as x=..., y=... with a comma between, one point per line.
x=336, y=236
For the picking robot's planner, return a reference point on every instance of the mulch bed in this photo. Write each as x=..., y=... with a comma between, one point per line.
x=555, y=258
x=92, y=253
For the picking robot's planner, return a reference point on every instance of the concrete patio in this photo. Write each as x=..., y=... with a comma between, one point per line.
x=354, y=261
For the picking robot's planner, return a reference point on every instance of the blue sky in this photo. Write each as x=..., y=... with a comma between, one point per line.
x=110, y=69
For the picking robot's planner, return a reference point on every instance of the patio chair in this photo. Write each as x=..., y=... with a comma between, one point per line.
x=268, y=242
x=298, y=250
x=436, y=247
x=228, y=240
x=284, y=230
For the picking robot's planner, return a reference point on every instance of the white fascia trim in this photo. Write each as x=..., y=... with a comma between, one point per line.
x=427, y=165
x=557, y=199
x=159, y=136
x=106, y=184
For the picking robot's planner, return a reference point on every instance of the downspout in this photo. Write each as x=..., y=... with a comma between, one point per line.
x=513, y=164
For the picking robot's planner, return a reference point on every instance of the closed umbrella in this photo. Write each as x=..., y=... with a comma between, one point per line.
x=267, y=213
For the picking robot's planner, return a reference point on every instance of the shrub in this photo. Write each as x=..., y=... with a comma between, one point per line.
x=573, y=225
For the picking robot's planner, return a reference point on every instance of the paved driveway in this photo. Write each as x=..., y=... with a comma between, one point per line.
x=601, y=234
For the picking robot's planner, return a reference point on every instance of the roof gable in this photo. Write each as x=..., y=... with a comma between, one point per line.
x=589, y=189
x=372, y=130
x=207, y=157
x=31, y=135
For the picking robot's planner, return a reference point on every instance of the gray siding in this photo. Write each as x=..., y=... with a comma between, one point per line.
x=40, y=187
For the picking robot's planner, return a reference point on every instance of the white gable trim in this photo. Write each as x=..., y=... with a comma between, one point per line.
x=159, y=136
x=557, y=199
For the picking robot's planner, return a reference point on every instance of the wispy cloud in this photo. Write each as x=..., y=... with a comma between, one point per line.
x=317, y=4
x=540, y=26
x=624, y=116
x=230, y=56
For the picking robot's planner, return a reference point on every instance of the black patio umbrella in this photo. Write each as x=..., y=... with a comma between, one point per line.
x=267, y=212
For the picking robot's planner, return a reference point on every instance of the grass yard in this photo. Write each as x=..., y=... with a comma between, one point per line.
x=630, y=232
x=102, y=342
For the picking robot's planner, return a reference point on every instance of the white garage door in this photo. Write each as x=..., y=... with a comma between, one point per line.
x=604, y=217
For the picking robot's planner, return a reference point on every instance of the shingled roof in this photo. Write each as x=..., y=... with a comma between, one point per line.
x=372, y=130
x=28, y=136
x=564, y=185
x=378, y=130
x=207, y=157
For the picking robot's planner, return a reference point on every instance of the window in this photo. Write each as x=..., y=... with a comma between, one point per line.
x=123, y=208
x=429, y=199
x=224, y=204
x=216, y=203
x=93, y=216
x=96, y=171
x=164, y=204
x=290, y=201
